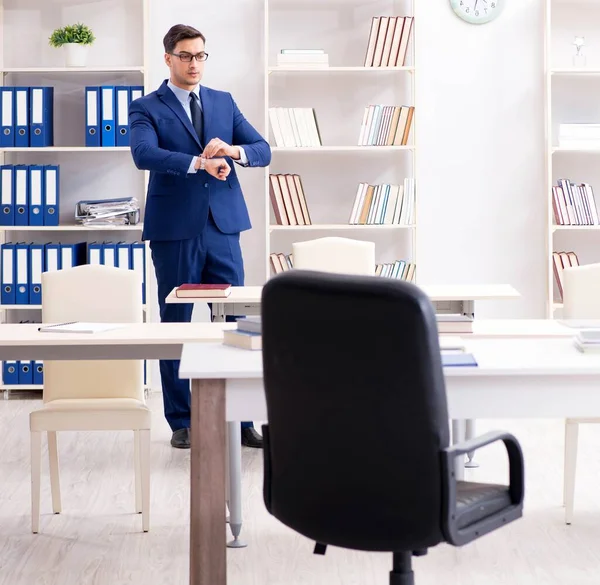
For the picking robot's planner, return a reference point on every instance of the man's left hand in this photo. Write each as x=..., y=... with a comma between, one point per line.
x=217, y=147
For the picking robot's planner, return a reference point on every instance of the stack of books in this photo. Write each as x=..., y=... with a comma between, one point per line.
x=450, y=323
x=302, y=58
x=588, y=340
x=454, y=352
x=246, y=336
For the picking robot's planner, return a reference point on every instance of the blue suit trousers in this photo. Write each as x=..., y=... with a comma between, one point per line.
x=210, y=258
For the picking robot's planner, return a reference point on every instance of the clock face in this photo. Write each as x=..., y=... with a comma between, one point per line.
x=477, y=11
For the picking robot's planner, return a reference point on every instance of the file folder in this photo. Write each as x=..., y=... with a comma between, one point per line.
x=92, y=116
x=95, y=253
x=22, y=274
x=107, y=119
x=135, y=92
x=51, y=194
x=109, y=254
x=138, y=262
x=124, y=255
x=36, y=195
x=10, y=373
x=9, y=261
x=21, y=187
x=25, y=372
x=7, y=198
x=41, y=112
x=52, y=257
x=21, y=117
x=38, y=372
x=36, y=267
x=7, y=117
x=122, y=101
x=72, y=255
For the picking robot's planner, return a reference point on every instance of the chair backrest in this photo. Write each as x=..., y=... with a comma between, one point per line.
x=356, y=408
x=92, y=293
x=334, y=254
x=581, y=292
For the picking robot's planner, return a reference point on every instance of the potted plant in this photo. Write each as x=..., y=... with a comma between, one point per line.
x=76, y=39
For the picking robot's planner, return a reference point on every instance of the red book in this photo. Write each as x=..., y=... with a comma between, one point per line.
x=202, y=290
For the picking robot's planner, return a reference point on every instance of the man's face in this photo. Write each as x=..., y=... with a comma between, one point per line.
x=186, y=74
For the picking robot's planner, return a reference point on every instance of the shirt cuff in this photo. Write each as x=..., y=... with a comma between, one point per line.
x=243, y=158
x=192, y=168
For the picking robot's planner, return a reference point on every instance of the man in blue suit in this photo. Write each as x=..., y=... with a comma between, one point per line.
x=187, y=136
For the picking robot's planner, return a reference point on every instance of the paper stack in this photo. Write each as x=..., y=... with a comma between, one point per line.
x=588, y=340
x=108, y=212
x=302, y=58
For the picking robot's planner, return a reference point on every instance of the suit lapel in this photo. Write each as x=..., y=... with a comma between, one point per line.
x=168, y=97
x=207, y=110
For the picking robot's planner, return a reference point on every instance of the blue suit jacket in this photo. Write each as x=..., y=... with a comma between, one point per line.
x=163, y=141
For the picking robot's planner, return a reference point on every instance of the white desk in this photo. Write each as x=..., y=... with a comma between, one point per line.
x=460, y=298
x=23, y=341
x=531, y=376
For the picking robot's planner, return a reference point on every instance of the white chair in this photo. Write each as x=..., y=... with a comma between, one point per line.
x=93, y=395
x=334, y=254
x=581, y=300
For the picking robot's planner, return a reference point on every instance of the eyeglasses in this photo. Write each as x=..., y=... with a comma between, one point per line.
x=187, y=57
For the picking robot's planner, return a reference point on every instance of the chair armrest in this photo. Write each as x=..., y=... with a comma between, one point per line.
x=516, y=487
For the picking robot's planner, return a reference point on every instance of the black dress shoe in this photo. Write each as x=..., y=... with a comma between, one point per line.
x=181, y=439
x=250, y=438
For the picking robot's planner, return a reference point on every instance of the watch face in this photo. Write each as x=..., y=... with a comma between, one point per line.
x=477, y=11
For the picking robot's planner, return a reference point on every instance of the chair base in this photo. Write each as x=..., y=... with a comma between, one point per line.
x=402, y=573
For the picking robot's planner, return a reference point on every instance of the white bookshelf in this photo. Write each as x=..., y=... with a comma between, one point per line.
x=119, y=56
x=571, y=97
x=338, y=93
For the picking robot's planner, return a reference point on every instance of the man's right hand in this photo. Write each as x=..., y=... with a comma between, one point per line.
x=217, y=167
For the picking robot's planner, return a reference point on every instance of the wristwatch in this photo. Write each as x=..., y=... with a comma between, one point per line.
x=202, y=163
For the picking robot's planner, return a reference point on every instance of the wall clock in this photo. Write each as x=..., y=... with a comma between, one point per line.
x=477, y=11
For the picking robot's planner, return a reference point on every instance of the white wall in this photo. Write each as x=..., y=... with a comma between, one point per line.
x=480, y=157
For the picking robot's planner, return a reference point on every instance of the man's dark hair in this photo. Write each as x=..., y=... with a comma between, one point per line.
x=180, y=32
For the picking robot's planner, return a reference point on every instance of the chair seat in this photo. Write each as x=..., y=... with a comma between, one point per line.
x=475, y=501
x=74, y=414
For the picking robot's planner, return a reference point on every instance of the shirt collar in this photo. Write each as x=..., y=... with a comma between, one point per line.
x=183, y=95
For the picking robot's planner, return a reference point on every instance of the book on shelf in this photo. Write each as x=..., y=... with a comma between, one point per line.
x=384, y=204
x=196, y=291
x=288, y=200
x=388, y=41
x=247, y=335
x=280, y=262
x=561, y=260
x=574, y=204
x=398, y=269
x=384, y=125
x=302, y=58
x=295, y=127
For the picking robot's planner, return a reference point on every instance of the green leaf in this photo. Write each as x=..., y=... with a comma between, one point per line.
x=72, y=33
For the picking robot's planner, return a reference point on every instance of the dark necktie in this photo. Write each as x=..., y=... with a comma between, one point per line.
x=196, y=111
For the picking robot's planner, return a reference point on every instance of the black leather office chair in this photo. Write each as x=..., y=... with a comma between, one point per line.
x=358, y=359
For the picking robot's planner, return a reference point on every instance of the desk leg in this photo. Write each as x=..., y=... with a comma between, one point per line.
x=470, y=433
x=458, y=435
x=218, y=312
x=235, y=483
x=208, y=560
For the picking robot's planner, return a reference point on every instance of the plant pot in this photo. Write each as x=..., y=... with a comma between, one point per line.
x=75, y=54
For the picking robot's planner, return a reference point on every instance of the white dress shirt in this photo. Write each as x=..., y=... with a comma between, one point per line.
x=183, y=96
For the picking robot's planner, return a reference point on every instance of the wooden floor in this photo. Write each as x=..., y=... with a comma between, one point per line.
x=97, y=540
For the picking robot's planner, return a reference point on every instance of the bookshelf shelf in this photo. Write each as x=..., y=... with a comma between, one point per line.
x=369, y=149
x=559, y=149
x=584, y=228
x=74, y=70
x=73, y=228
x=67, y=149
x=36, y=307
x=288, y=70
x=575, y=71
x=338, y=227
